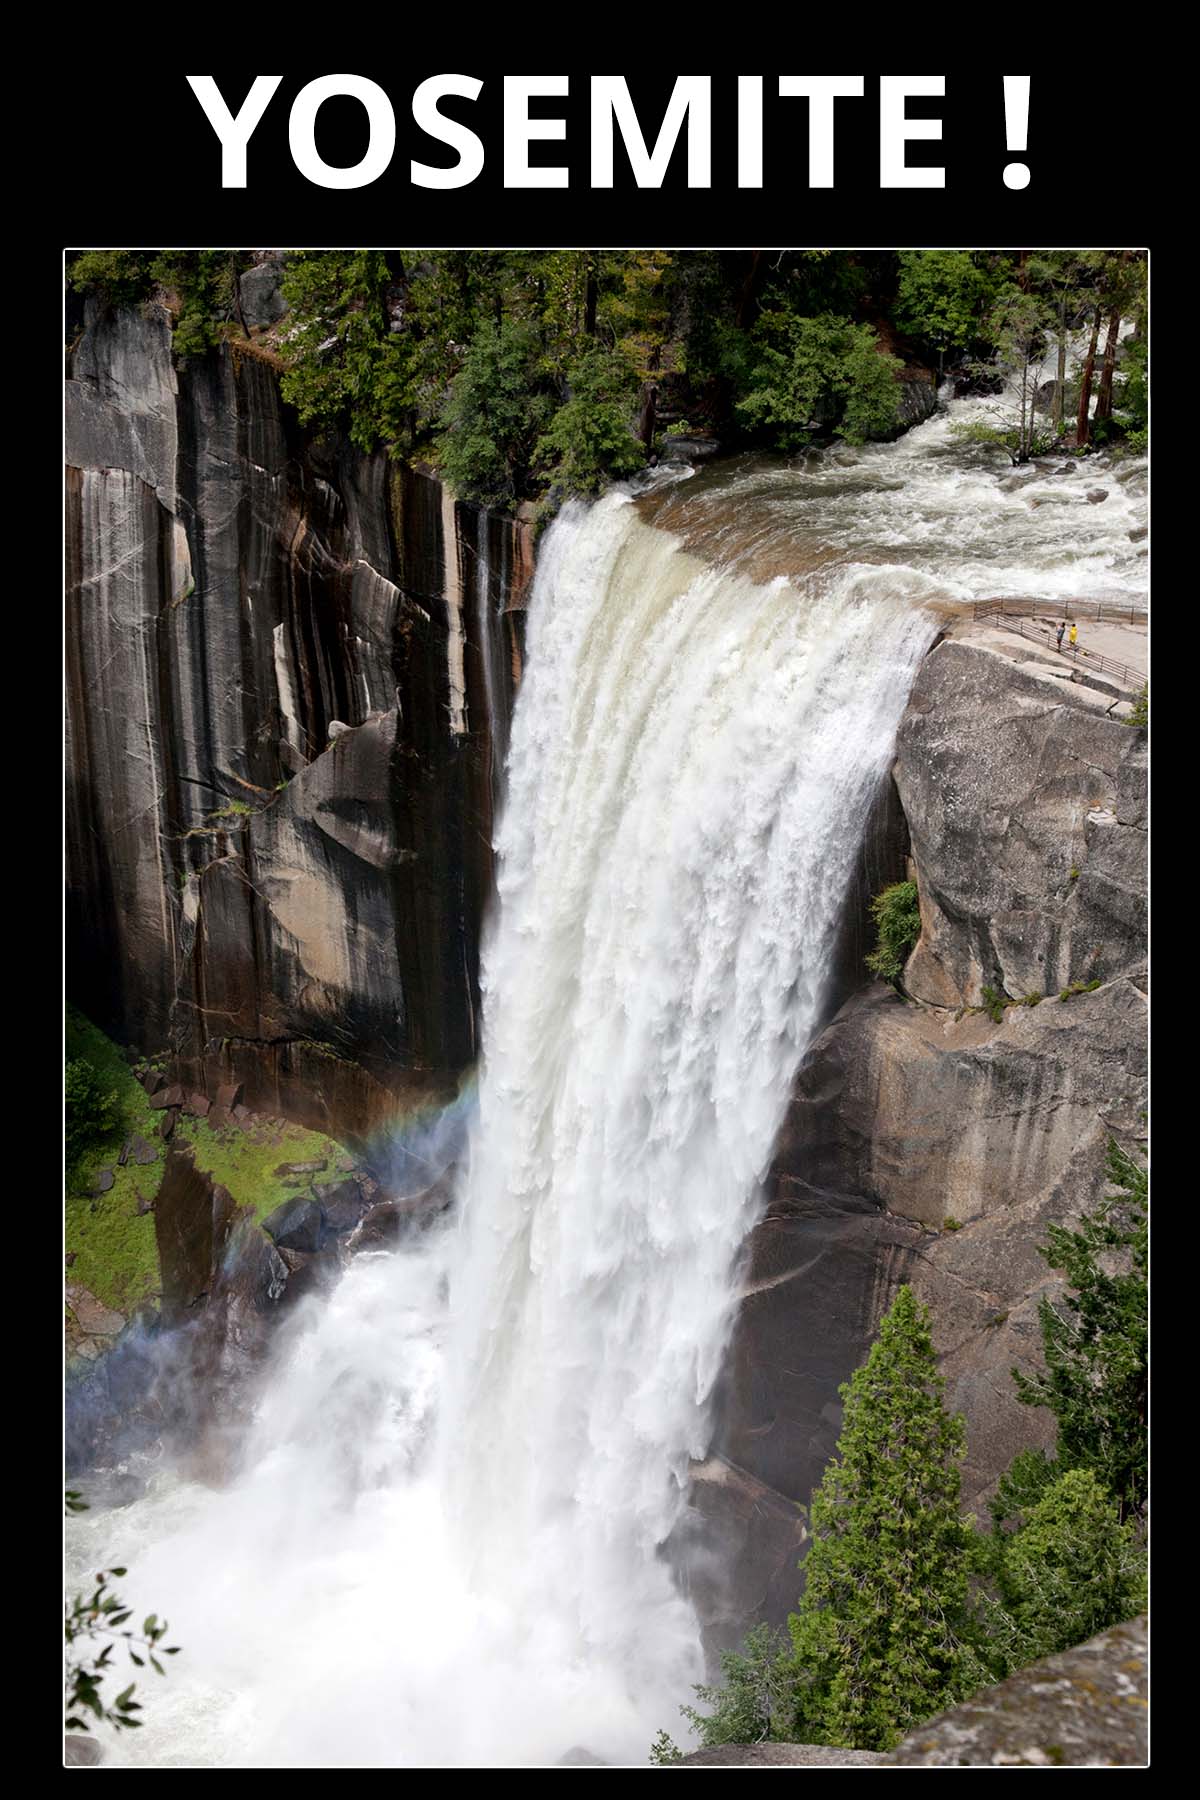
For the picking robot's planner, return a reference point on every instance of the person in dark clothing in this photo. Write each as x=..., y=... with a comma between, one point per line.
x=1059, y=633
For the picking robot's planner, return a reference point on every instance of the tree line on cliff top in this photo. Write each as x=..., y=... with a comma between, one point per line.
x=526, y=374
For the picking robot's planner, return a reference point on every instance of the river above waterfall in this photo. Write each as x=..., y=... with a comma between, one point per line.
x=1060, y=528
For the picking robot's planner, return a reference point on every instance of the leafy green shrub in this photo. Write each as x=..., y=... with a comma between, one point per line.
x=94, y=1624
x=897, y=915
x=92, y=1110
x=115, y=277
x=814, y=373
x=941, y=297
x=500, y=404
x=344, y=365
x=1141, y=709
x=1080, y=987
x=994, y=1003
x=589, y=441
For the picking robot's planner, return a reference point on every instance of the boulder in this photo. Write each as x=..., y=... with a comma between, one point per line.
x=152, y=1080
x=261, y=294
x=103, y=1182
x=93, y=1318
x=198, y=1106
x=228, y=1095
x=143, y=1153
x=272, y=1278
x=296, y=1225
x=302, y=1168
x=1096, y=495
x=167, y=1096
x=309, y=1273
x=690, y=449
x=168, y=1124
x=343, y=1204
x=1083, y=1709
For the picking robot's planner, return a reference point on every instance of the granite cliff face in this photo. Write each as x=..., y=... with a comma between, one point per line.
x=290, y=668
x=927, y=1143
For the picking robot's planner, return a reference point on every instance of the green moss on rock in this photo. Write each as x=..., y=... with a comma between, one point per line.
x=115, y=1252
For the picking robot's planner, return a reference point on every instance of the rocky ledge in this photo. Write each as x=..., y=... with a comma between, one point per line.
x=777, y=1756
x=1083, y=1709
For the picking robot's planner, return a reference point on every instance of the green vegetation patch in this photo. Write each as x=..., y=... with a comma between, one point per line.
x=115, y=1252
x=245, y=1161
x=116, y=1255
x=897, y=915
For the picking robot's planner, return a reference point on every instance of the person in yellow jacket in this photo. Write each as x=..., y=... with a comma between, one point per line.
x=1073, y=635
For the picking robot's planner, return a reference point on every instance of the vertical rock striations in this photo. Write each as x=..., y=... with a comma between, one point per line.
x=288, y=687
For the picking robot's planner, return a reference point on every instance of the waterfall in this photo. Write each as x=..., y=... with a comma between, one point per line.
x=448, y=1541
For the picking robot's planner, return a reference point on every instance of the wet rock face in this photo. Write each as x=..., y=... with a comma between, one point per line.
x=249, y=886
x=1085, y=1708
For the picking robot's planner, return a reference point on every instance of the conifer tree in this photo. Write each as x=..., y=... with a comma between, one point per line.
x=877, y=1641
x=1070, y=1569
x=1095, y=1340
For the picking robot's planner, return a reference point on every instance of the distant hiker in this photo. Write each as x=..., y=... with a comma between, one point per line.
x=1073, y=635
x=1059, y=633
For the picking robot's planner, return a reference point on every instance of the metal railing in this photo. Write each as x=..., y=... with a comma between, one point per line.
x=1099, y=610
x=1042, y=631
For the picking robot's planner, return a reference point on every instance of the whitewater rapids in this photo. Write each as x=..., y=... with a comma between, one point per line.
x=445, y=1545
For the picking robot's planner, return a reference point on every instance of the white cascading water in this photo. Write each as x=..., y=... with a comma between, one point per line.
x=446, y=1544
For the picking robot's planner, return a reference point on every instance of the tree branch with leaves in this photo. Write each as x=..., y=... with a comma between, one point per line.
x=96, y=1629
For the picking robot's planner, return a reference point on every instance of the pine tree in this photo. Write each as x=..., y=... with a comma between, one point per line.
x=1070, y=1569
x=876, y=1639
x=1096, y=1345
